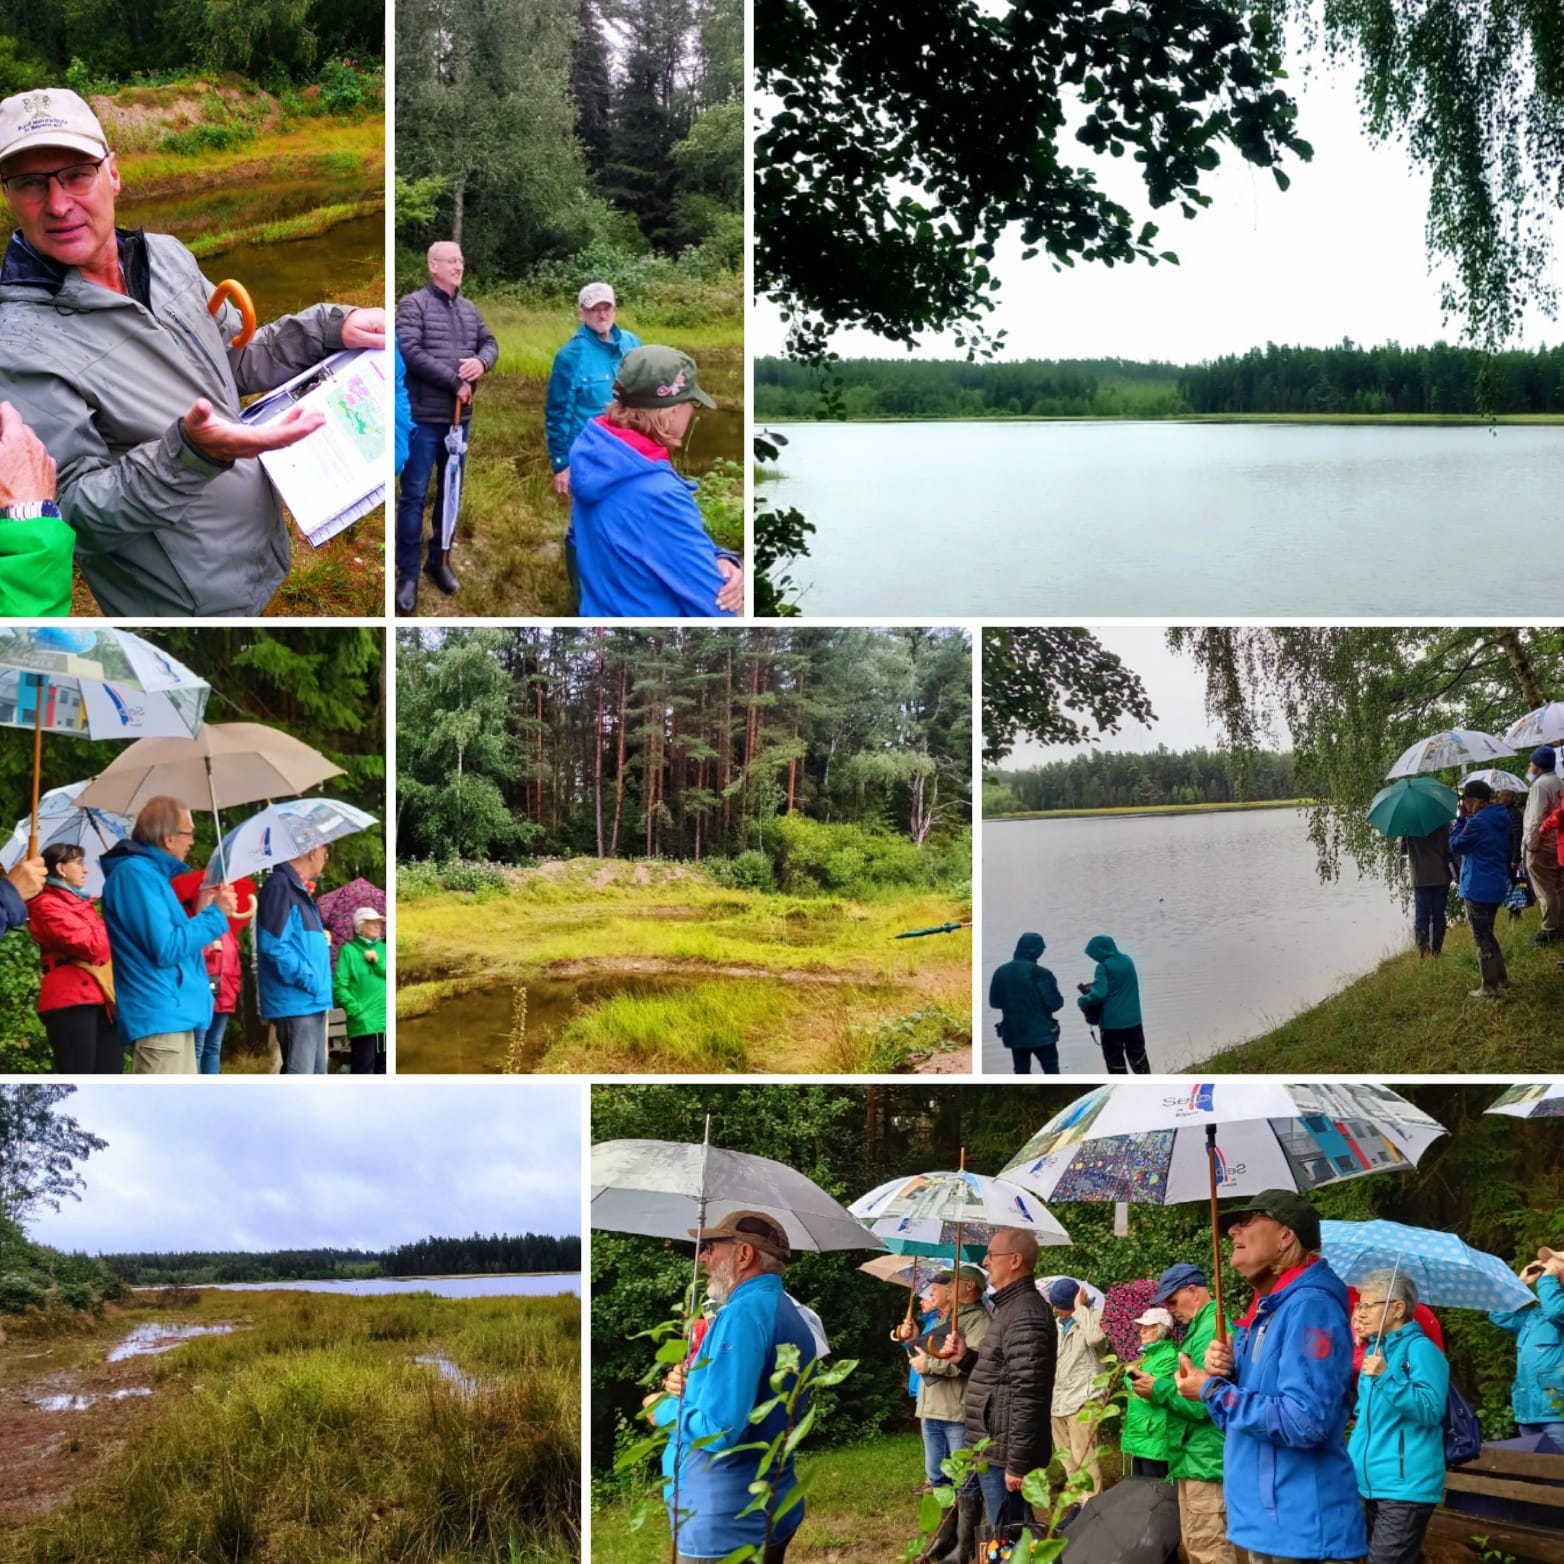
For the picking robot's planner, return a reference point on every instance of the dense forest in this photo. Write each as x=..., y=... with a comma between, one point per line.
x=495, y=1255
x=680, y=743
x=1107, y=780
x=1274, y=379
x=92, y=44
x=1497, y=1182
x=550, y=129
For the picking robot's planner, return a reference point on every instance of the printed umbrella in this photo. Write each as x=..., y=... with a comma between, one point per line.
x=1545, y=725
x=337, y=907
x=451, y=486
x=1453, y=747
x=61, y=821
x=283, y=831
x=1534, y=1100
x=904, y=1270
x=1413, y=806
x=1499, y=781
x=1140, y=1141
x=1449, y=1273
x=1094, y=1295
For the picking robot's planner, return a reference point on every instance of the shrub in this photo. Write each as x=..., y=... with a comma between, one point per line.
x=812, y=857
x=342, y=88
x=207, y=138
x=750, y=871
x=23, y=1045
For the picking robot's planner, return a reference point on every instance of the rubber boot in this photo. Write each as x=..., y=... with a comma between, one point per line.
x=439, y=571
x=1495, y=971
x=969, y=1519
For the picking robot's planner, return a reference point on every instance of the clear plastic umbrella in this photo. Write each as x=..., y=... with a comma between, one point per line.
x=1453, y=747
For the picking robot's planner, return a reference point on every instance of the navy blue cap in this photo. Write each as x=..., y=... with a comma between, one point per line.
x=1063, y=1293
x=1176, y=1276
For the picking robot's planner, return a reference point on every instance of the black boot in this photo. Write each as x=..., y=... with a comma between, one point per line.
x=969, y=1518
x=407, y=595
x=439, y=571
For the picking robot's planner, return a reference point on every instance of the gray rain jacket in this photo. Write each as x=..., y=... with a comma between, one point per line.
x=104, y=379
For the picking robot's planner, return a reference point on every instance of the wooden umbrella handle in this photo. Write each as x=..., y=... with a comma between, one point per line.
x=228, y=288
x=1216, y=1237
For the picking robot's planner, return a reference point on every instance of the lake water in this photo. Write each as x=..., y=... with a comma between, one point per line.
x=532, y=1286
x=1121, y=518
x=1229, y=927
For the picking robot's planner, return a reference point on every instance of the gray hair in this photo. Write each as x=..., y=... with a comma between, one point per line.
x=769, y=1264
x=1395, y=1286
x=160, y=818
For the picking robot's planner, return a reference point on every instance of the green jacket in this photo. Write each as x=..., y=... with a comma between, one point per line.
x=359, y=988
x=35, y=568
x=943, y=1391
x=1146, y=1422
x=1194, y=1443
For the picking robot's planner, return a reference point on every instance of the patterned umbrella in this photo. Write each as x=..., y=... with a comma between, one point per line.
x=1499, y=781
x=283, y=831
x=929, y=1208
x=904, y=1270
x=60, y=820
x=1449, y=1274
x=337, y=907
x=1453, y=747
x=1545, y=725
x=1536, y=1100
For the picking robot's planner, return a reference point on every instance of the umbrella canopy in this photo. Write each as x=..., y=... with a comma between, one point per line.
x=283, y=831
x=1134, y=1522
x=658, y=1188
x=1453, y=747
x=1545, y=725
x=94, y=709
x=1499, y=781
x=61, y=821
x=1536, y=1100
x=336, y=909
x=904, y=1270
x=1413, y=806
x=931, y=1207
x=1449, y=1274
x=187, y=887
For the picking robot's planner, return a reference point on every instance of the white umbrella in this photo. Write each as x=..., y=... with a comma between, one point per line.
x=1545, y=725
x=284, y=831
x=1453, y=747
x=1535, y=1100
x=1499, y=781
x=60, y=821
x=1094, y=1295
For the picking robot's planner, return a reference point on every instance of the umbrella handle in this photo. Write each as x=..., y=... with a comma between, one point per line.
x=228, y=288
x=1216, y=1237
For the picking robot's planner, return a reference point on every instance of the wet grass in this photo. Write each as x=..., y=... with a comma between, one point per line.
x=312, y=1436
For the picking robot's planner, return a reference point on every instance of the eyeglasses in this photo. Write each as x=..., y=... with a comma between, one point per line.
x=190, y=834
x=707, y=1244
x=33, y=189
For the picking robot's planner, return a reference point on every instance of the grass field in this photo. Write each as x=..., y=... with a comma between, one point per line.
x=751, y=982
x=308, y=1435
x=510, y=550
x=1414, y=1016
x=1150, y=809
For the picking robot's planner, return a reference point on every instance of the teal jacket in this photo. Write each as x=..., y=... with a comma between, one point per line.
x=1115, y=986
x=1027, y=996
x=1538, y=1393
x=1398, y=1442
x=580, y=386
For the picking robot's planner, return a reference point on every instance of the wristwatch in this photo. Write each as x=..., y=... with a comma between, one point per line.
x=30, y=511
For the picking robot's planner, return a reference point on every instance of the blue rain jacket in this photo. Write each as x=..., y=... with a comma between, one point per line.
x=640, y=546
x=13, y=910
x=160, y=982
x=1482, y=844
x=1286, y=1476
x=730, y=1379
x=1398, y=1441
x=1115, y=985
x=294, y=966
x=404, y=411
x=580, y=386
x=926, y=1323
x=1538, y=1393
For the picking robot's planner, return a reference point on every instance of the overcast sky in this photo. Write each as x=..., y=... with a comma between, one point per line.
x=305, y=1164
x=1340, y=254
x=1175, y=686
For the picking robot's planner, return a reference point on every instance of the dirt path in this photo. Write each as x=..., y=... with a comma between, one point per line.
x=954, y=1061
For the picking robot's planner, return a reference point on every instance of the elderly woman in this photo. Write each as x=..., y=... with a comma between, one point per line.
x=75, y=1002
x=1144, y=1443
x=1398, y=1443
x=637, y=544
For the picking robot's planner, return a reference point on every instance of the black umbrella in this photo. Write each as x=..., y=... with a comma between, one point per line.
x=1134, y=1522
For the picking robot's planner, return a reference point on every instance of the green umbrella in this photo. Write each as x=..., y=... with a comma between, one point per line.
x=1412, y=806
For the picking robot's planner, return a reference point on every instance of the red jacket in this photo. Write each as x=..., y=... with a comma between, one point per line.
x=223, y=965
x=67, y=928
x=1554, y=822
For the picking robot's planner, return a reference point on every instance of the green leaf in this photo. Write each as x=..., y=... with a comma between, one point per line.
x=1282, y=181
x=1035, y=1490
x=805, y=1424
x=671, y=1351
x=639, y=1451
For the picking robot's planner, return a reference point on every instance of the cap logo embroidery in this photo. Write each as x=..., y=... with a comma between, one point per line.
x=673, y=387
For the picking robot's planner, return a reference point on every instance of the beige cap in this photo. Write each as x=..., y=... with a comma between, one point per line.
x=748, y=1227
x=366, y=915
x=595, y=293
x=50, y=117
x=1156, y=1316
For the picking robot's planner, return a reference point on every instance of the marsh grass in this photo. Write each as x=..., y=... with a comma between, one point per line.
x=312, y=1436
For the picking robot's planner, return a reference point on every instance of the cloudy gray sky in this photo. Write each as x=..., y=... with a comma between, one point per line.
x=301, y=1164
x=1338, y=255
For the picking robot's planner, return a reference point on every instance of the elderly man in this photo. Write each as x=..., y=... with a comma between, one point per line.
x=447, y=350
x=107, y=348
x=162, y=997
x=1012, y=1375
x=293, y=963
x=1542, y=847
x=581, y=381
x=1081, y=1338
x=35, y=544
x=17, y=888
x=1278, y=1392
x=707, y=1410
x=1194, y=1443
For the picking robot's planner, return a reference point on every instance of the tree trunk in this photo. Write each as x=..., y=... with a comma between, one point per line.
x=619, y=774
x=1521, y=666
x=458, y=201
x=597, y=754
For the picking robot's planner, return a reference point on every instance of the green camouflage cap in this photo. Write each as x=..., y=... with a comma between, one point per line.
x=658, y=377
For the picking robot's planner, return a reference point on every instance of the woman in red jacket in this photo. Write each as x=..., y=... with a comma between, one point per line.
x=76, y=1000
x=222, y=974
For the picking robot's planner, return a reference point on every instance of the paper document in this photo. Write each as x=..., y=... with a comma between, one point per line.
x=332, y=477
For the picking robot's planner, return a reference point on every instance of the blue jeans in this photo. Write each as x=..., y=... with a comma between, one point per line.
x=303, y=1043
x=992, y=1482
x=209, y=1045
x=1047, y=1060
x=941, y=1437
x=426, y=457
x=1428, y=916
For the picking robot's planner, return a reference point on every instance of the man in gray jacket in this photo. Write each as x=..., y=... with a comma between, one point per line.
x=108, y=351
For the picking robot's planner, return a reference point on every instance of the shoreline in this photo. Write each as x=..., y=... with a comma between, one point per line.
x=288, y=1281
x=1132, y=811
x=1368, y=420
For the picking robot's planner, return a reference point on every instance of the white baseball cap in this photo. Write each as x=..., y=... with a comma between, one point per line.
x=364, y=914
x=595, y=293
x=1156, y=1317
x=50, y=117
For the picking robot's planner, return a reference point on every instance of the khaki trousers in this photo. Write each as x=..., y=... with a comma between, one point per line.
x=1202, y=1518
x=1547, y=880
x=165, y=1053
x=1080, y=1439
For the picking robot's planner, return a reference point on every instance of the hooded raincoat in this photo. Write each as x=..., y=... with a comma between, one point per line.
x=1114, y=985
x=1287, y=1479
x=1027, y=996
x=1398, y=1440
x=580, y=386
x=640, y=546
x=1538, y=1393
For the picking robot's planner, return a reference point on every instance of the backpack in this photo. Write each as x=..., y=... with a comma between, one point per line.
x=1463, y=1433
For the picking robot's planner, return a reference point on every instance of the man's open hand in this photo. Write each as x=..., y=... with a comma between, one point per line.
x=26, y=469
x=364, y=329
x=223, y=440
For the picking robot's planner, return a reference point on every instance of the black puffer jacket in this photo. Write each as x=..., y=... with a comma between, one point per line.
x=435, y=333
x=1010, y=1394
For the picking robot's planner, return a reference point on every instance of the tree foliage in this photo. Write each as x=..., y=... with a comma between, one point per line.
x=1113, y=780
x=40, y=1147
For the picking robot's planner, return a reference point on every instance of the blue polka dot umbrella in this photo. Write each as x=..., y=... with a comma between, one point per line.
x=1449, y=1274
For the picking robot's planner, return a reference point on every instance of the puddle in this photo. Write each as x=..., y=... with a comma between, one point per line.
x=468, y=1033
x=82, y=1402
x=155, y=1337
x=464, y=1383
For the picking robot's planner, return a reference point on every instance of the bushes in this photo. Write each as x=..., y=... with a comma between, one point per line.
x=23, y=1046
x=34, y=1278
x=425, y=877
x=750, y=871
x=702, y=285
x=811, y=857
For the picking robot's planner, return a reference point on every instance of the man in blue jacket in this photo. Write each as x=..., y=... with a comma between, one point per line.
x=1537, y=1398
x=581, y=382
x=1278, y=1392
x=17, y=888
x=745, y=1255
x=1480, y=839
x=293, y=965
x=162, y=996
